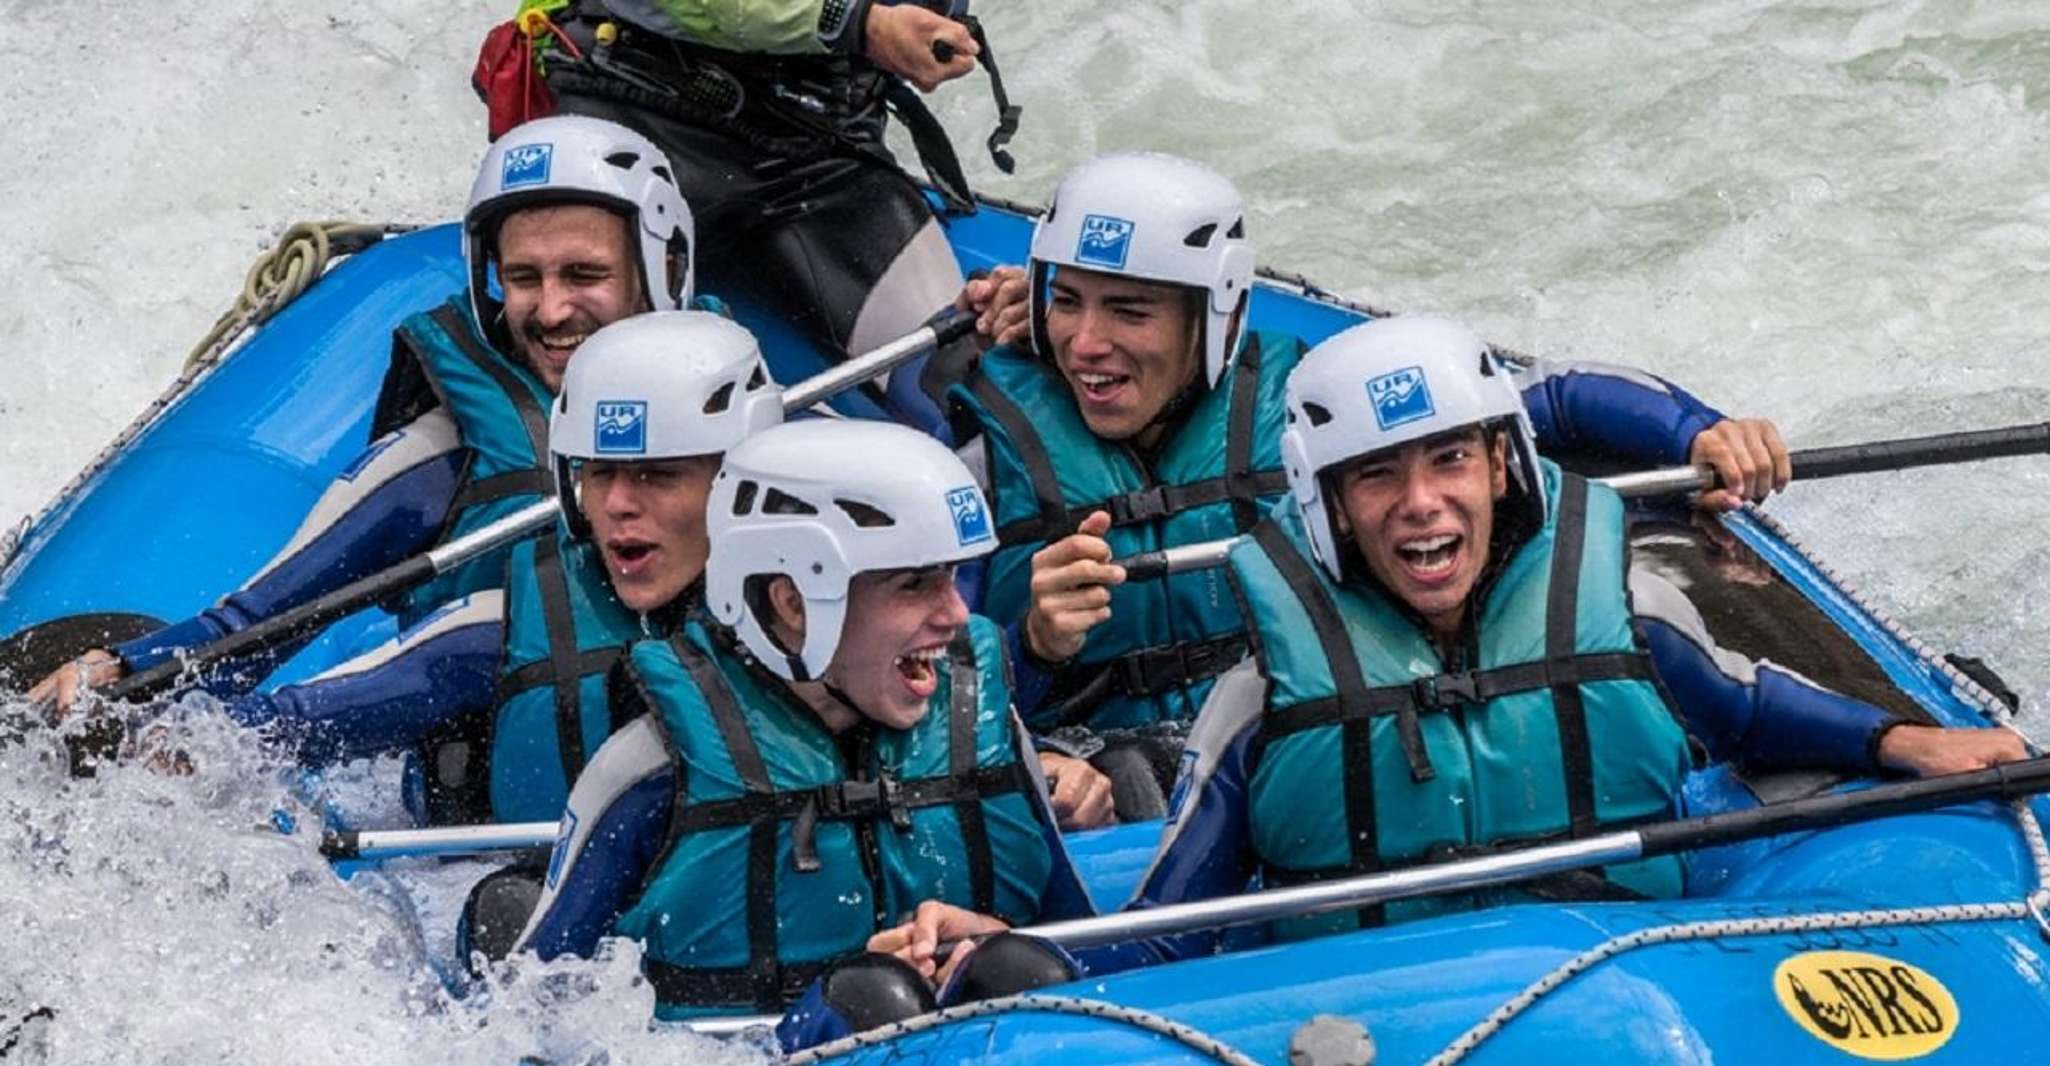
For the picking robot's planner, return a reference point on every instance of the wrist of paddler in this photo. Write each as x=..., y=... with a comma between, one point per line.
x=1031, y=644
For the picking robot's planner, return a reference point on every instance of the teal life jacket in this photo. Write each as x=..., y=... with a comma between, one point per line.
x=1556, y=730
x=1166, y=640
x=563, y=631
x=789, y=846
x=501, y=413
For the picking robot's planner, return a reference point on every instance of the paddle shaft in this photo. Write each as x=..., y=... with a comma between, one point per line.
x=1808, y=464
x=526, y=522
x=454, y=840
x=1870, y=457
x=1818, y=812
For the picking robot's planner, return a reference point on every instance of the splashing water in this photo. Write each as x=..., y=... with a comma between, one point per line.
x=164, y=919
x=1830, y=213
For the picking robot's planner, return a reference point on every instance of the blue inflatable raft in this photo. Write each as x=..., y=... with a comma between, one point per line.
x=1918, y=936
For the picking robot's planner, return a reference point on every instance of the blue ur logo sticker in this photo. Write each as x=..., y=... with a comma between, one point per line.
x=1400, y=397
x=622, y=428
x=526, y=165
x=1105, y=241
x=971, y=520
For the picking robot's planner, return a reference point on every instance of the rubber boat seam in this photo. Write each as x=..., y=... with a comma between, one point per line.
x=2033, y=906
x=1187, y=1035
x=1962, y=686
x=253, y=305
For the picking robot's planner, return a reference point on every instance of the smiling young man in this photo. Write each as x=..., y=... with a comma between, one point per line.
x=1128, y=409
x=834, y=745
x=572, y=224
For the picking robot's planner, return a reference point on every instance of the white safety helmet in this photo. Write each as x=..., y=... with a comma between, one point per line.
x=1386, y=383
x=820, y=501
x=1156, y=218
x=663, y=385
x=572, y=159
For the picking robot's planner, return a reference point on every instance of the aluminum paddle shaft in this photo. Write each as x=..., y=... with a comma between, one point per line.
x=2028, y=777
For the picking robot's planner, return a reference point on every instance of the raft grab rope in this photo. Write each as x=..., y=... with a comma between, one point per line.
x=1189, y=1036
x=301, y=256
x=2031, y=907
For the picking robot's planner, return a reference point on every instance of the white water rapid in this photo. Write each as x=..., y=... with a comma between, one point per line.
x=1833, y=213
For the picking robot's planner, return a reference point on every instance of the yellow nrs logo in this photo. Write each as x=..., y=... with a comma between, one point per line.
x=1867, y=1005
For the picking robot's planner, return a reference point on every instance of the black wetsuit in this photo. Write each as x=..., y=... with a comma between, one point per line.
x=800, y=208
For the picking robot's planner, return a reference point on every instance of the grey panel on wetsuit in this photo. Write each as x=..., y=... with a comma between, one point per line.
x=1749, y=609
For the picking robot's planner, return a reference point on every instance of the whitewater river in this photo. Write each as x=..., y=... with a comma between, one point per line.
x=1832, y=213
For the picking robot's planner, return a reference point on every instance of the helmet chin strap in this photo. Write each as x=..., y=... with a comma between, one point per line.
x=1198, y=386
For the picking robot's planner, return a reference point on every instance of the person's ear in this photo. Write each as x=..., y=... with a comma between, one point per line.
x=788, y=605
x=1498, y=464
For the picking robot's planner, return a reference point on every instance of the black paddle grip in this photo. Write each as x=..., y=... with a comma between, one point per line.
x=1921, y=451
x=2024, y=778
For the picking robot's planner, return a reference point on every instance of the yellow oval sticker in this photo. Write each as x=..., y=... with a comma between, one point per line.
x=1868, y=1005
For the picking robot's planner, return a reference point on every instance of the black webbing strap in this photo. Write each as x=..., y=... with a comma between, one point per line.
x=1443, y=692
x=1078, y=690
x=890, y=798
x=559, y=620
x=962, y=765
x=1354, y=701
x=511, y=484
x=542, y=672
x=729, y=986
x=1046, y=486
x=1155, y=502
x=935, y=149
x=764, y=970
x=1244, y=487
x=1562, y=611
x=532, y=418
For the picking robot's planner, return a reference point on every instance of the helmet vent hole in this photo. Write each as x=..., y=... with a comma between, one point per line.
x=1487, y=364
x=1237, y=232
x=776, y=501
x=623, y=160
x=864, y=516
x=1318, y=414
x=720, y=400
x=1200, y=236
x=744, y=497
x=663, y=173
x=757, y=379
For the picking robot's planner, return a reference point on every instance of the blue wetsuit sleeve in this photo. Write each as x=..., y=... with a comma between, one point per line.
x=392, y=696
x=609, y=840
x=1205, y=848
x=1750, y=712
x=1611, y=411
x=389, y=504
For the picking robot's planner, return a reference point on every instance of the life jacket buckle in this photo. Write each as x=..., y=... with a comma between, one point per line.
x=1143, y=505
x=863, y=798
x=893, y=801
x=1442, y=692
